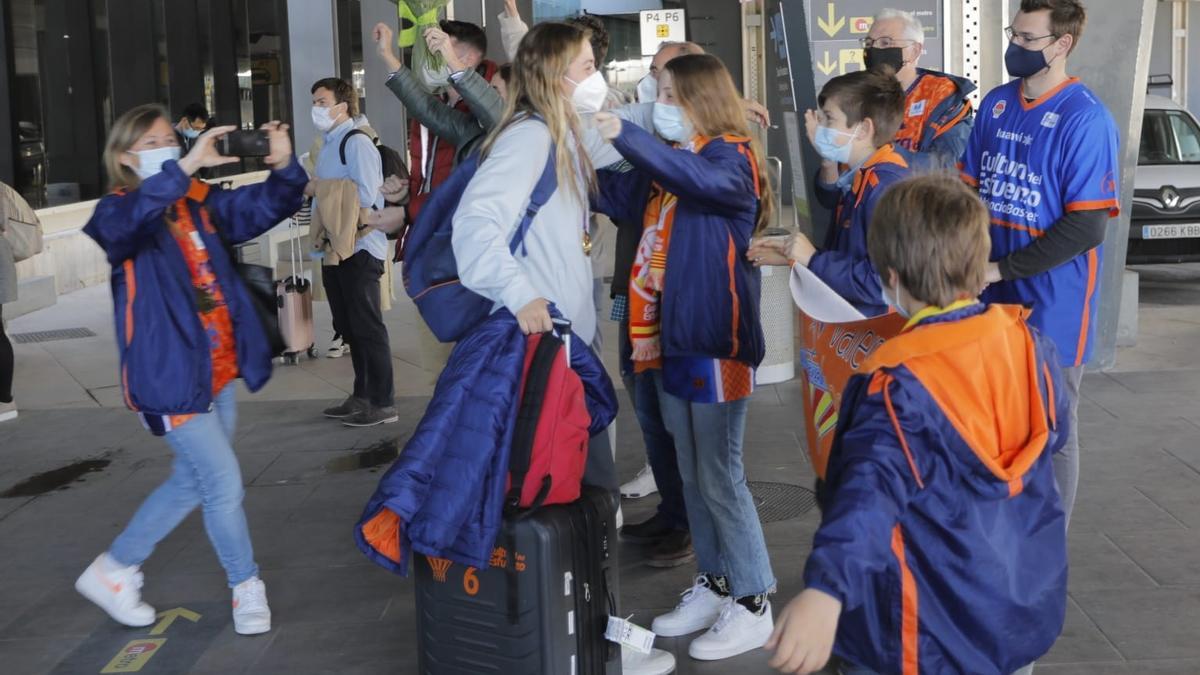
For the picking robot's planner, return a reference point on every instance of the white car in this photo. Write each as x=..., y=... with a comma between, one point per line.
x=1165, y=222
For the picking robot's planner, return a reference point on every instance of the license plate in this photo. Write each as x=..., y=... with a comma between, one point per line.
x=1181, y=231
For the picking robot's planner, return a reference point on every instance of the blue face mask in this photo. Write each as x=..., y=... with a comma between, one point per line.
x=190, y=133
x=1022, y=62
x=669, y=122
x=894, y=304
x=827, y=146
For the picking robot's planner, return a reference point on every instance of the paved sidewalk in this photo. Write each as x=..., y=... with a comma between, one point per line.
x=1135, y=540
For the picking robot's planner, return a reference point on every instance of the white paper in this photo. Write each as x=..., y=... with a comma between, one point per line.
x=818, y=300
x=625, y=632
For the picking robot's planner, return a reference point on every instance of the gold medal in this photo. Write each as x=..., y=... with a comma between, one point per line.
x=587, y=243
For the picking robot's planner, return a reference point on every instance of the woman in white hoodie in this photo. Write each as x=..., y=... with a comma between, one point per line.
x=554, y=79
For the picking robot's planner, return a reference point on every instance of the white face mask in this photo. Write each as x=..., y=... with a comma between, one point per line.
x=322, y=118
x=590, y=95
x=647, y=90
x=150, y=162
x=670, y=123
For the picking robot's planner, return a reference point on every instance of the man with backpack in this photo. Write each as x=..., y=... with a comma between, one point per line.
x=352, y=285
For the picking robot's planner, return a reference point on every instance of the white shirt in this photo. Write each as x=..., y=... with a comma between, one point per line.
x=553, y=265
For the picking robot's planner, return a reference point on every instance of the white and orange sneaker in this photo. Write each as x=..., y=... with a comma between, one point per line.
x=251, y=615
x=117, y=590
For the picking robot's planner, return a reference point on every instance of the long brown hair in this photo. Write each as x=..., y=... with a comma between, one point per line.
x=536, y=89
x=706, y=93
x=124, y=135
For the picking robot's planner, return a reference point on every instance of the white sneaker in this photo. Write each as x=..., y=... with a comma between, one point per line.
x=251, y=615
x=8, y=411
x=337, y=349
x=698, y=609
x=657, y=662
x=642, y=485
x=737, y=631
x=116, y=590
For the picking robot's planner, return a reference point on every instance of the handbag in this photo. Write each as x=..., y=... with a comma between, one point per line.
x=259, y=281
x=19, y=225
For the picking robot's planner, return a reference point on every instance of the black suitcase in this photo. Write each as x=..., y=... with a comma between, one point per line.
x=542, y=606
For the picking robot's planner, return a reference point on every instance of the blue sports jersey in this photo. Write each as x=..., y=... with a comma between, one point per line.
x=1033, y=163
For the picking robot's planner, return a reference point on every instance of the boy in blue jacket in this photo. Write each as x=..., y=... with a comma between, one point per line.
x=942, y=546
x=853, y=131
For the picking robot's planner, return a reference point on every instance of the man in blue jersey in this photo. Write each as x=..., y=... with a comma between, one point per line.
x=1043, y=155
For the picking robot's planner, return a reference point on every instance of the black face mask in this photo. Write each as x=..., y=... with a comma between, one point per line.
x=874, y=57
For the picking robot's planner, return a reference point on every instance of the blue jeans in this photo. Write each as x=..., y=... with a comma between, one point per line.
x=205, y=473
x=726, y=533
x=660, y=449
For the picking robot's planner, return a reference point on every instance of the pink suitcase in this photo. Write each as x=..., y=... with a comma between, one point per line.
x=294, y=295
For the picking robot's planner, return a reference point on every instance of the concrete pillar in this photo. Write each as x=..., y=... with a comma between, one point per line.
x=312, y=56
x=1121, y=84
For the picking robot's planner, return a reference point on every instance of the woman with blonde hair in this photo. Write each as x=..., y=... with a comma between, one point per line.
x=694, y=323
x=186, y=329
x=554, y=76
x=554, y=80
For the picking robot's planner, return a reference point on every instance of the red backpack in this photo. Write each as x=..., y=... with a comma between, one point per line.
x=550, y=439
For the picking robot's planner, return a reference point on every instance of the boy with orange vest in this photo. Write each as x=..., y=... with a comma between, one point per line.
x=942, y=545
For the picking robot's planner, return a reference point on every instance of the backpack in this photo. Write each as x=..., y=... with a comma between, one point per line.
x=392, y=164
x=550, y=436
x=430, y=272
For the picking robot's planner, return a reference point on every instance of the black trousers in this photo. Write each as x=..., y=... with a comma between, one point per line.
x=353, y=290
x=6, y=363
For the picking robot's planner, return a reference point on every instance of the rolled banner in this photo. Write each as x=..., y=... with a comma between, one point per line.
x=835, y=343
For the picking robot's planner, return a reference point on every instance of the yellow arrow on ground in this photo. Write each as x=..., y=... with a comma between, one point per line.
x=833, y=25
x=826, y=66
x=168, y=617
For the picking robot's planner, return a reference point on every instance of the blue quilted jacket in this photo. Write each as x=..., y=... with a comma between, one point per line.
x=447, y=487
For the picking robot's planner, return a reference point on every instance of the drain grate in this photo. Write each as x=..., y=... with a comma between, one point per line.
x=52, y=335
x=781, y=501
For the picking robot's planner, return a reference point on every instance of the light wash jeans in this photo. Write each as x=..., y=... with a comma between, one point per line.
x=205, y=474
x=1066, y=463
x=726, y=533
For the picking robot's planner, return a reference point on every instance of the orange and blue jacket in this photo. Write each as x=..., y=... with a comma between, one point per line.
x=938, y=118
x=843, y=263
x=165, y=350
x=942, y=532
x=710, y=295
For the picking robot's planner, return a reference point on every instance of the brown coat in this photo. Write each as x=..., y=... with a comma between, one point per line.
x=336, y=217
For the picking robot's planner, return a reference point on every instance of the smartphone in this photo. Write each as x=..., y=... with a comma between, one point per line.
x=243, y=143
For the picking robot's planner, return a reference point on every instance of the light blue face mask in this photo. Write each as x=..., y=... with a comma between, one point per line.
x=894, y=304
x=670, y=123
x=827, y=147
x=190, y=133
x=150, y=162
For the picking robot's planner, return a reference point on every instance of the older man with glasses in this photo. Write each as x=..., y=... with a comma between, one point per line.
x=937, y=114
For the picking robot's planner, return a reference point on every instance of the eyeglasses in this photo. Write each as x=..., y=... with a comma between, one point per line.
x=884, y=42
x=1025, y=38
